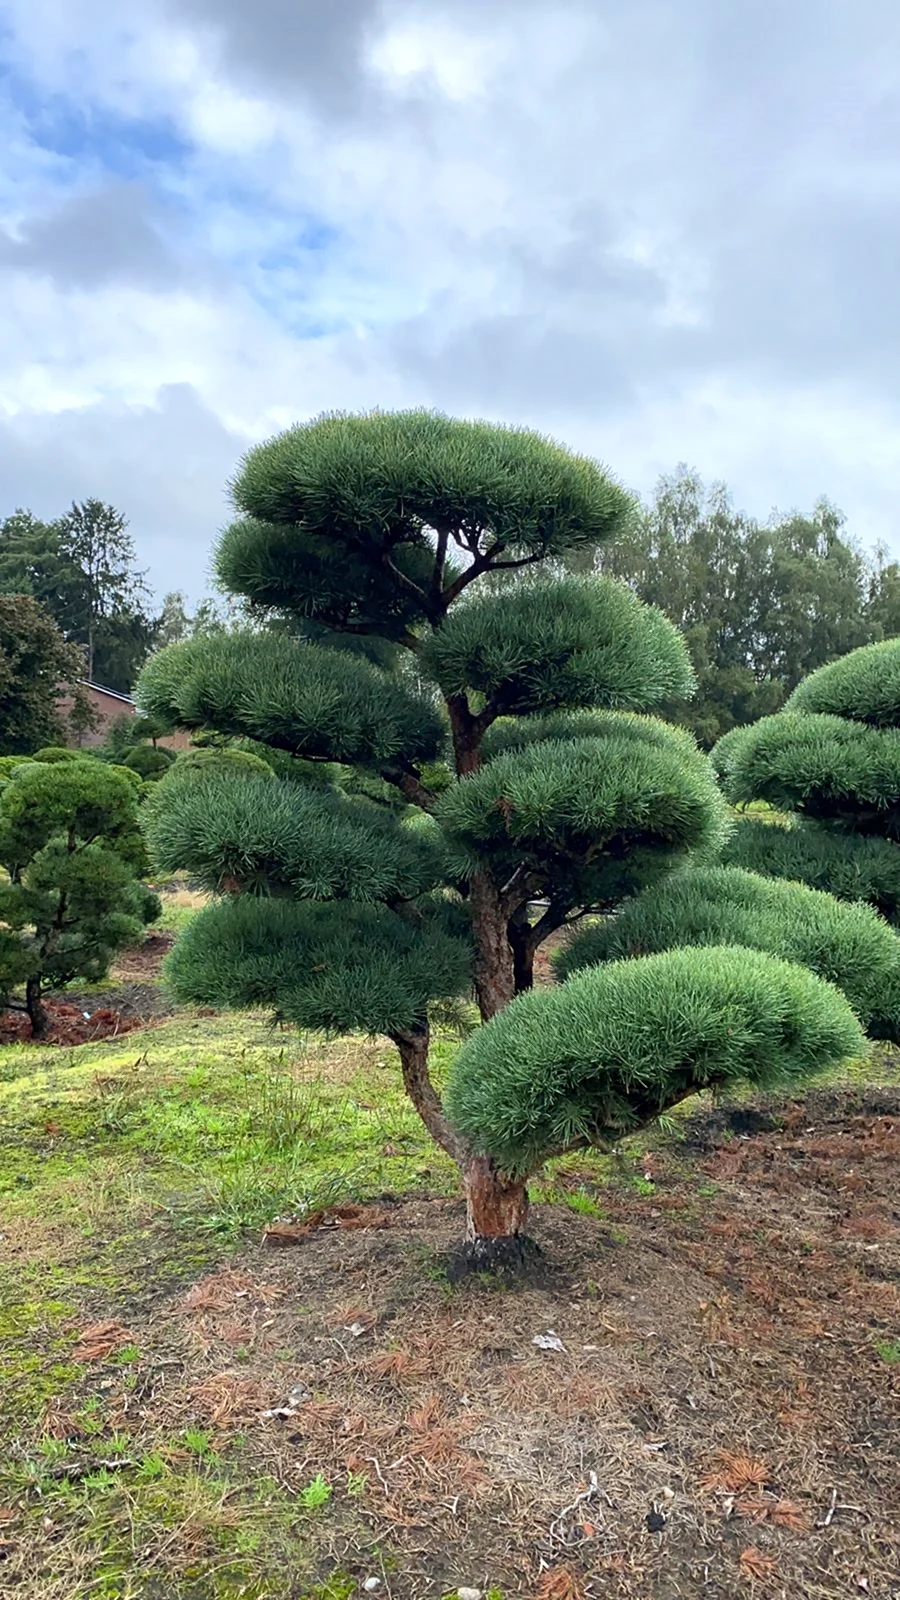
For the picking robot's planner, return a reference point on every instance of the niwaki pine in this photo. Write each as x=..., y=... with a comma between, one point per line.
x=830, y=761
x=72, y=894
x=513, y=720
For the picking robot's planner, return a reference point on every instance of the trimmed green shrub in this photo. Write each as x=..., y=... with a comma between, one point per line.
x=848, y=865
x=70, y=845
x=832, y=758
x=205, y=763
x=863, y=686
x=614, y=1047
x=57, y=752
x=148, y=761
x=849, y=945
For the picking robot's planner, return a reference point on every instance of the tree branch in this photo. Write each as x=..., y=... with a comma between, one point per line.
x=485, y=563
x=413, y=1047
x=404, y=777
x=516, y=890
x=440, y=558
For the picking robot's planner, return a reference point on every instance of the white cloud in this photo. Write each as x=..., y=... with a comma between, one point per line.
x=661, y=229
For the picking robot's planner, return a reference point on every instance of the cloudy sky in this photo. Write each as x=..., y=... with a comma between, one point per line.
x=661, y=230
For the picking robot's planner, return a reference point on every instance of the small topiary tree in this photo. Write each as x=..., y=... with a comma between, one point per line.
x=831, y=760
x=849, y=945
x=70, y=845
x=202, y=763
x=149, y=761
x=54, y=753
x=536, y=789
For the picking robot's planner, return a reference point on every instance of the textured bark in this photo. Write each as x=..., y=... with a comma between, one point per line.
x=494, y=976
x=496, y=1214
x=518, y=933
x=496, y=1205
x=417, y=1082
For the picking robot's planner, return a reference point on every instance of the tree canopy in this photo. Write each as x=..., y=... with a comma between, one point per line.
x=82, y=568
x=37, y=668
x=761, y=604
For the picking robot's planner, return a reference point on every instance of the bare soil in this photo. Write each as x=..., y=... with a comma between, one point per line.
x=714, y=1411
x=133, y=1000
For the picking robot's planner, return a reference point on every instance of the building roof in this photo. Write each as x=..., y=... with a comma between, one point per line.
x=100, y=688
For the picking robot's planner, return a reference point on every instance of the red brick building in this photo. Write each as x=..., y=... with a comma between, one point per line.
x=108, y=707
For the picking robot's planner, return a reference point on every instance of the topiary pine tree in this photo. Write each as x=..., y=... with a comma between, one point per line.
x=72, y=851
x=831, y=759
x=518, y=737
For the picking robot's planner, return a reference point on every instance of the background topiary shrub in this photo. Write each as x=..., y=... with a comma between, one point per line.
x=71, y=848
x=148, y=761
x=849, y=945
x=831, y=759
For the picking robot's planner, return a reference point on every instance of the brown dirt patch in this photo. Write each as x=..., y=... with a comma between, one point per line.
x=133, y=1000
x=719, y=1420
x=70, y=1024
x=142, y=963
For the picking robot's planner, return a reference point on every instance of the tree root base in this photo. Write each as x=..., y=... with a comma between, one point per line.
x=508, y=1256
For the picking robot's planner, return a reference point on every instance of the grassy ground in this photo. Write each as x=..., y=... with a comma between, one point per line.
x=189, y=1414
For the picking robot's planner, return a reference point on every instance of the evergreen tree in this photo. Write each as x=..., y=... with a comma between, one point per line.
x=519, y=739
x=81, y=567
x=72, y=854
x=760, y=604
x=830, y=761
x=113, y=624
x=37, y=668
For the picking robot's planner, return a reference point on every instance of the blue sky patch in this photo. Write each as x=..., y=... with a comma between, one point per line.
x=91, y=135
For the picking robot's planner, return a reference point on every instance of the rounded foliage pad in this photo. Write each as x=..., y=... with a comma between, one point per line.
x=340, y=968
x=831, y=769
x=517, y=733
x=374, y=482
x=326, y=705
x=578, y=801
x=848, y=865
x=849, y=944
x=286, y=568
x=268, y=835
x=559, y=642
x=618, y=1044
x=863, y=686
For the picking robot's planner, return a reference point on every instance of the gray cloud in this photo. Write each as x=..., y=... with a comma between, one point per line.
x=655, y=227
x=100, y=237
x=281, y=45
x=165, y=466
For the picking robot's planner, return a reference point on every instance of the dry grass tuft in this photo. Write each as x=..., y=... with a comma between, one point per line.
x=99, y=1340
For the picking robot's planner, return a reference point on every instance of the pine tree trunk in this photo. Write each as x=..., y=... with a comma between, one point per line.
x=496, y=1214
x=494, y=978
x=35, y=1007
x=519, y=934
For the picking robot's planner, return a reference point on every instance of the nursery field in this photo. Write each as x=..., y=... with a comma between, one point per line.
x=234, y=1364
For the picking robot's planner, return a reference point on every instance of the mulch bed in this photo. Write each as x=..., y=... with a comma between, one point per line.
x=69, y=1025
x=712, y=1408
x=133, y=1000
